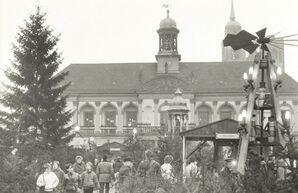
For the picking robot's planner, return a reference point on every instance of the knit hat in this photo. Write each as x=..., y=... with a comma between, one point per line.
x=79, y=157
x=127, y=159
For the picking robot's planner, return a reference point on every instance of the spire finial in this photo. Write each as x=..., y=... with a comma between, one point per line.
x=232, y=16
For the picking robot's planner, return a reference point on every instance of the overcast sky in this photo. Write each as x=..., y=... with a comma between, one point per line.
x=101, y=31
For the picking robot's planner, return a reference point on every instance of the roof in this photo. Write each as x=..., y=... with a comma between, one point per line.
x=138, y=78
x=209, y=131
x=167, y=22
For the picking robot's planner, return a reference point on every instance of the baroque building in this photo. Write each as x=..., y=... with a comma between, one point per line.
x=110, y=101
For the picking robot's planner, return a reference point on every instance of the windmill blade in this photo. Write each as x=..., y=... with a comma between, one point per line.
x=283, y=43
x=234, y=42
x=244, y=35
x=290, y=44
x=270, y=36
x=251, y=48
x=290, y=40
x=229, y=40
x=284, y=37
x=271, y=44
x=261, y=33
x=241, y=40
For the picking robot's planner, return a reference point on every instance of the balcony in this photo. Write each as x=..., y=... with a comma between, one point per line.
x=108, y=130
x=114, y=131
x=141, y=129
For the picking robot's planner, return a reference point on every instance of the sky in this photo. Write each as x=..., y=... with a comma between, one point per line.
x=109, y=31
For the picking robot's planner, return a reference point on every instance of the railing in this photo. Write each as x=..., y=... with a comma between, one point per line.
x=113, y=130
x=141, y=129
x=86, y=131
x=108, y=130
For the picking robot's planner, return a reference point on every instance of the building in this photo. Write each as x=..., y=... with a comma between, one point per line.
x=112, y=100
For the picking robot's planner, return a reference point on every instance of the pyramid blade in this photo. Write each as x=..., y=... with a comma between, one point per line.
x=261, y=33
x=244, y=35
x=251, y=48
x=240, y=40
x=229, y=40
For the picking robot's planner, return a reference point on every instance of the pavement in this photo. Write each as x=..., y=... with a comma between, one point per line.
x=112, y=190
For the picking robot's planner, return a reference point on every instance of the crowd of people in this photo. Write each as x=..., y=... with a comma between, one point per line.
x=82, y=177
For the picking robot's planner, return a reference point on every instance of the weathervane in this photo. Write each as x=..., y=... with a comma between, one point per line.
x=167, y=6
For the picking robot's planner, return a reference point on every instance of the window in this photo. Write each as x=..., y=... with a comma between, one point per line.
x=110, y=118
x=87, y=116
x=89, y=119
x=164, y=115
x=226, y=112
x=109, y=113
x=204, y=115
x=131, y=116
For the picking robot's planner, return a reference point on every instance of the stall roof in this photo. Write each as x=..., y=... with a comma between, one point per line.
x=209, y=131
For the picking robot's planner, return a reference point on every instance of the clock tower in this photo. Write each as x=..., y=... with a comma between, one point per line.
x=168, y=57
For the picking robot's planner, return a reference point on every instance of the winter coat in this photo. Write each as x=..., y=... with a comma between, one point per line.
x=125, y=179
x=79, y=168
x=49, y=180
x=105, y=172
x=149, y=171
x=60, y=174
x=89, y=180
x=191, y=171
x=117, y=165
x=167, y=171
x=71, y=181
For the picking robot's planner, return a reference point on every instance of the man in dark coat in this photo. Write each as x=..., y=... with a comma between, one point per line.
x=126, y=176
x=149, y=172
x=105, y=175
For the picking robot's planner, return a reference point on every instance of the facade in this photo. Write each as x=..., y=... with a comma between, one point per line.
x=111, y=101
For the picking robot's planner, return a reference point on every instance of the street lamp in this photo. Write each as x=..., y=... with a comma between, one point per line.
x=77, y=129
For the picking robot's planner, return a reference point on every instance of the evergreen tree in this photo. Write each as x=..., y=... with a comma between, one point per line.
x=33, y=100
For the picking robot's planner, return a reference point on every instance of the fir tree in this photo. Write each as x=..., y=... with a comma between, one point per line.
x=33, y=100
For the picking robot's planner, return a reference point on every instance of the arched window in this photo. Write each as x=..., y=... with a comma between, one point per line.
x=130, y=115
x=87, y=118
x=109, y=115
x=204, y=115
x=148, y=115
x=164, y=115
x=226, y=112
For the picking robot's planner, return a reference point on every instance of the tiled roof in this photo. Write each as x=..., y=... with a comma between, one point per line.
x=194, y=77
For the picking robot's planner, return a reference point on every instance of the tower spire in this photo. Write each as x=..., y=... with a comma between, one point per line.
x=232, y=16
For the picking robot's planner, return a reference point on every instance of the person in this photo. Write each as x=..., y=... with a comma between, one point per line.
x=47, y=181
x=116, y=166
x=96, y=162
x=89, y=180
x=79, y=166
x=191, y=170
x=126, y=176
x=105, y=174
x=167, y=169
x=60, y=174
x=149, y=172
x=71, y=180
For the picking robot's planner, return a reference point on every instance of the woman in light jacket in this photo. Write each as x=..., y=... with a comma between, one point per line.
x=48, y=180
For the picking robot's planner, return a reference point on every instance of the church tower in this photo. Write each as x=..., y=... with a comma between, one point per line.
x=168, y=57
x=232, y=27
